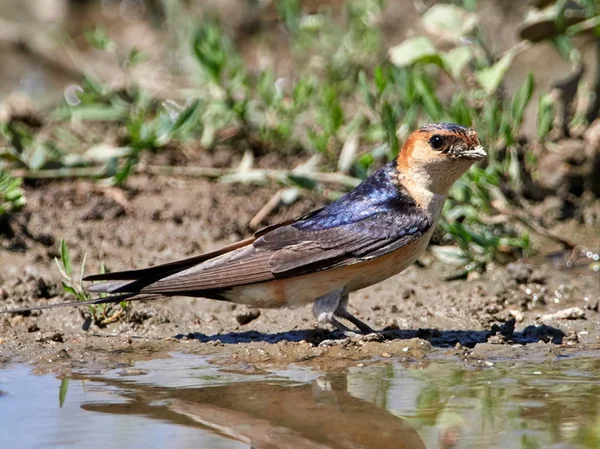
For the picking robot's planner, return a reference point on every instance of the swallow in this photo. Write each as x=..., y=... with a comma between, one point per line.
x=372, y=233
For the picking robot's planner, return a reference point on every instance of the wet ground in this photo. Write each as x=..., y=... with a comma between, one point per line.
x=186, y=401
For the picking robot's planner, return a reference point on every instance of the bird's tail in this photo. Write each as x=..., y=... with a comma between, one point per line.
x=128, y=285
x=113, y=299
x=121, y=286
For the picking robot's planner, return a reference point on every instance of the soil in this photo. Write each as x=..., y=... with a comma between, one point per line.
x=535, y=308
x=531, y=308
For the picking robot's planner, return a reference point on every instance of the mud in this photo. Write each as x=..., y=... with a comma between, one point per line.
x=539, y=308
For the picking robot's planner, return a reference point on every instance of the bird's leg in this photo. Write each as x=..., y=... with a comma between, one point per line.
x=342, y=312
x=333, y=305
x=324, y=310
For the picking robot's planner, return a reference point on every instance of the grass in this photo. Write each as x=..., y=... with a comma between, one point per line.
x=350, y=102
x=11, y=194
x=101, y=314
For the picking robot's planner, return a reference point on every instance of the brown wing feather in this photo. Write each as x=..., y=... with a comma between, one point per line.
x=282, y=253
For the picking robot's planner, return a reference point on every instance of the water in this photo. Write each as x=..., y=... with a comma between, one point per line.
x=185, y=402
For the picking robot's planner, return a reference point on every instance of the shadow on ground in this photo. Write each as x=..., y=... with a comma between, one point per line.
x=438, y=338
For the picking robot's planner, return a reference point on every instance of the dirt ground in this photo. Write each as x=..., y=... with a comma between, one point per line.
x=534, y=308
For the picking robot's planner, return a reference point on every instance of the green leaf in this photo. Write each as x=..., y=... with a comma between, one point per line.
x=62, y=392
x=186, y=115
x=65, y=257
x=456, y=60
x=450, y=254
x=413, y=50
x=448, y=22
x=546, y=114
x=135, y=57
x=364, y=87
x=389, y=123
x=69, y=289
x=491, y=77
x=98, y=112
x=521, y=100
x=380, y=79
x=99, y=39
x=290, y=12
x=302, y=181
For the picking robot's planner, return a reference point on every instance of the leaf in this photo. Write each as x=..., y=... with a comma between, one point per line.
x=69, y=289
x=456, y=60
x=99, y=39
x=303, y=181
x=60, y=268
x=448, y=22
x=380, y=79
x=451, y=255
x=65, y=257
x=290, y=196
x=364, y=87
x=83, y=262
x=491, y=77
x=348, y=153
x=546, y=114
x=62, y=392
x=104, y=152
x=413, y=50
x=38, y=158
x=186, y=115
x=135, y=57
x=389, y=123
x=98, y=112
x=521, y=100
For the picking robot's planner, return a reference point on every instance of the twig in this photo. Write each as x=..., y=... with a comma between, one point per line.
x=531, y=224
x=258, y=175
x=267, y=174
x=266, y=210
x=62, y=173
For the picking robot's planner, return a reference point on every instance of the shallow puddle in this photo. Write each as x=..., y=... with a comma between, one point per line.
x=185, y=402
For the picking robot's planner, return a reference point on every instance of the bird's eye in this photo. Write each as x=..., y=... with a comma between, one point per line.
x=436, y=141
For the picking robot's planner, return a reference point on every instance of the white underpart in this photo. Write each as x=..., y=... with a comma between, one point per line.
x=324, y=308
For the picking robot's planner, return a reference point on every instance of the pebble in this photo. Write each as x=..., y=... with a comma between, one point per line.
x=572, y=313
x=247, y=317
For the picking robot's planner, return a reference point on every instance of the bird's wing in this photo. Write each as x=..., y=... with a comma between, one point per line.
x=294, y=250
x=182, y=264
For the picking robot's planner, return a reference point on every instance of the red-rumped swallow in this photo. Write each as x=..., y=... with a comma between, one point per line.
x=373, y=232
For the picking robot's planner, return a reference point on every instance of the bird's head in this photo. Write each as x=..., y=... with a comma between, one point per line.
x=436, y=155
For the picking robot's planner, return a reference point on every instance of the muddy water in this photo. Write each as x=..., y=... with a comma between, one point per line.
x=185, y=401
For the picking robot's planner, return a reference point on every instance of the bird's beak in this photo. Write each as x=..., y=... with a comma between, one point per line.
x=473, y=153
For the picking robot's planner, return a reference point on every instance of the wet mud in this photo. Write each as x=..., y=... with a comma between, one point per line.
x=542, y=307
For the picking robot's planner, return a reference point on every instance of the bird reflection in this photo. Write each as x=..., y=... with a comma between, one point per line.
x=272, y=414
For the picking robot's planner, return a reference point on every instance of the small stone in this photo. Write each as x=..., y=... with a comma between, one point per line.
x=33, y=328
x=57, y=337
x=518, y=315
x=572, y=313
x=387, y=355
x=63, y=354
x=247, y=317
x=3, y=293
x=407, y=294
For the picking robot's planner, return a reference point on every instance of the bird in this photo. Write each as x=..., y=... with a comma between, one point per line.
x=371, y=233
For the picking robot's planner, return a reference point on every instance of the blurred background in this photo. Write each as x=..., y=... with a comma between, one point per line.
x=243, y=91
